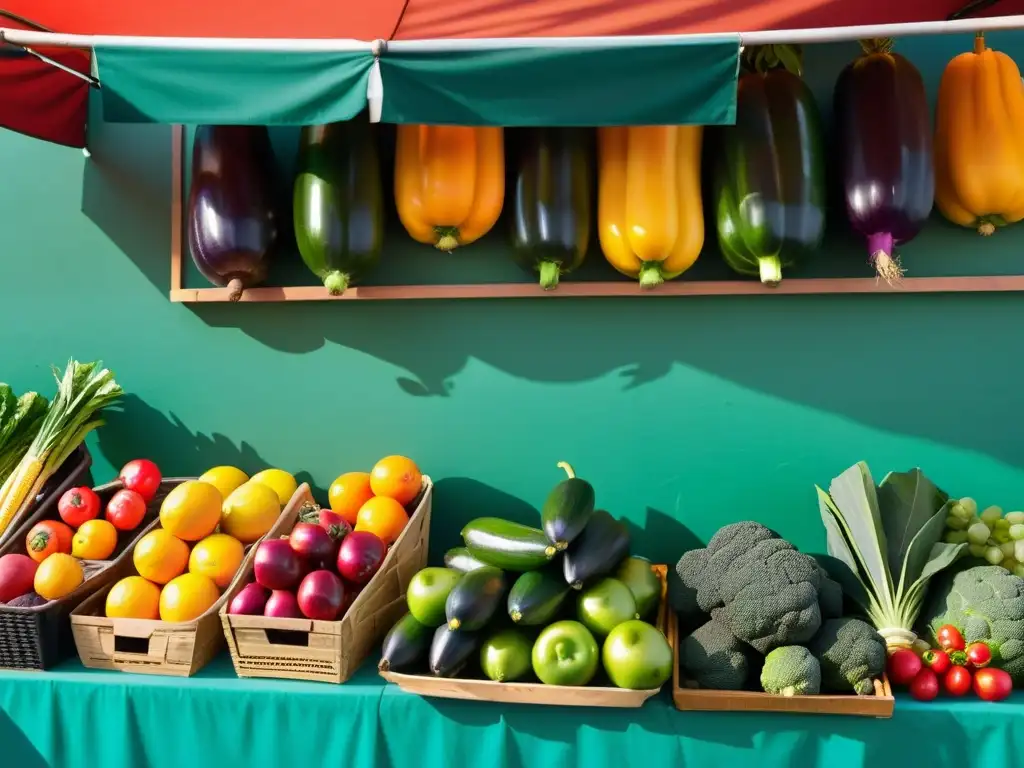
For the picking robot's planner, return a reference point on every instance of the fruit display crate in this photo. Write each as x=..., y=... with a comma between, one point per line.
x=699, y=699
x=154, y=647
x=536, y=693
x=330, y=651
x=39, y=637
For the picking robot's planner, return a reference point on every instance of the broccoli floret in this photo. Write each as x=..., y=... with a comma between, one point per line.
x=830, y=597
x=851, y=654
x=791, y=670
x=984, y=603
x=714, y=658
x=770, y=596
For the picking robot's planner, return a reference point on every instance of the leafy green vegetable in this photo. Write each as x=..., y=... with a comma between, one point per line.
x=19, y=425
x=885, y=543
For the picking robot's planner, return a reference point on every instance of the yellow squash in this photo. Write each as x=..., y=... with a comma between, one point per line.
x=650, y=216
x=979, y=140
x=449, y=182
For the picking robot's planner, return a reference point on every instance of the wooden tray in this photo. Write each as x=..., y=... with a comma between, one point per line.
x=534, y=693
x=697, y=699
x=330, y=651
x=153, y=647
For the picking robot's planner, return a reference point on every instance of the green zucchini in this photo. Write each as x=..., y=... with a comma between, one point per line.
x=597, y=551
x=338, y=202
x=451, y=649
x=474, y=599
x=507, y=545
x=567, y=509
x=405, y=644
x=461, y=559
x=536, y=596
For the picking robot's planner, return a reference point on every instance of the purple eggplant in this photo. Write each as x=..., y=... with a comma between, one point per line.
x=233, y=217
x=885, y=140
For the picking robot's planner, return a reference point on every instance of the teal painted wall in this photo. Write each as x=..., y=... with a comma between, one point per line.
x=685, y=413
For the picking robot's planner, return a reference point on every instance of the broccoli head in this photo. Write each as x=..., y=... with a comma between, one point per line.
x=770, y=596
x=714, y=658
x=791, y=670
x=851, y=654
x=985, y=603
x=830, y=596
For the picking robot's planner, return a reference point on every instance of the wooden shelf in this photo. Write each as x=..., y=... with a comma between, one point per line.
x=566, y=289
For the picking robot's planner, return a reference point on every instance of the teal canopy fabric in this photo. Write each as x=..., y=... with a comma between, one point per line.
x=682, y=82
x=231, y=87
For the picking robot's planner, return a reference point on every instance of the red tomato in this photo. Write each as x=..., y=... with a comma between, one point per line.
x=78, y=505
x=957, y=681
x=979, y=655
x=925, y=685
x=937, y=661
x=992, y=684
x=903, y=666
x=126, y=510
x=949, y=638
x=141, y=476
x=47, y=537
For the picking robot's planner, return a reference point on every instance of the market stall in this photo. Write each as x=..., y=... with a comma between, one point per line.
x=493, y=605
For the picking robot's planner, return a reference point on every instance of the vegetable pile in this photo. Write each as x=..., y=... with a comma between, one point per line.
x=991, y=535
x=563, y=603
x=768, y=617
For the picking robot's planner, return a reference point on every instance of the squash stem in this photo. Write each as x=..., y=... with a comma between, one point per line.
x=447, y=238
x=986, y=228
x=336, y=282
x=979, y=43
x=650, y=275
x=771, y=270
x=565, y=465
x=549, y=272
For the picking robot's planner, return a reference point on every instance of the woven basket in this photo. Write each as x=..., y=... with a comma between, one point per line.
x=40, y=637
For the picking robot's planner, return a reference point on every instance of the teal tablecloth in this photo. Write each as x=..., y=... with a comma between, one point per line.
x=76, y=717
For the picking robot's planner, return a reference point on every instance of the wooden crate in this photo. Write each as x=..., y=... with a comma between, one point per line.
x=152, y=647
x=697, y=699
x=330, y=651
x=535, y=693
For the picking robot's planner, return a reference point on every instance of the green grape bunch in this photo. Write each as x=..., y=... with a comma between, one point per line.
x=991, y=535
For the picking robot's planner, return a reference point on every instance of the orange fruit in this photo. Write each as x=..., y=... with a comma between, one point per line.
x=397, y=478
x=249, y=512
x=217, y=556
x=133, y=598
x=187, y=597
x=192, y=510
x=348, y=493
x=160, y=557
x=383, y=517
x=58, y=576
x=94, y=540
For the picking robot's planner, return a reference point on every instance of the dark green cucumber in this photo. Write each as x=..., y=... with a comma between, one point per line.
x=461, y=559
x=450, y=650
x=474, y=599
x=567, y=509
x=536, y=596
x=405, y=645
x=507, y=545
x=603, y=544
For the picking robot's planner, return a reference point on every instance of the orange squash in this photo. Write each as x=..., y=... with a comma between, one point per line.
x=449, y=182
x=979, y=140
x=650, y=215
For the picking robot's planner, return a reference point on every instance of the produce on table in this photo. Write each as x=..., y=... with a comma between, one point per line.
x=17, y=575
x=282, y=604
x=232, y=216
x=337, y=527
x=360, y=556
x=991, y=535
x=427, y=594
x=125, y=510
x=348, y=493
x=713, y=657
x=565, y=653
x=992, y=684
x=552, y=202
x=94, y=540
x=187, y=597
x=398, y=478
x=791, y=670
x=978, y=655
x=46, y=537
x=650, y=214
x=449, y=182
x=904, y=664
x=885, y=542
x=58, y=576
x=282, y=483
x=506, y=656
x=949, y=638
x=450, y=650
x=851, y=653
x=338, y=203
x=133, y=598
x=405, y=644
x=885, y=141
x=160, y=556
x=218, y=556
x=474, y=599
x=225, y=479
x=769, y=174
x=507, y=545
x=598, y=550
x=936, y=660
x=251, y=600
x=957, y=680
x=78, y=505
x=985, y=604
x=20, y=420
x=925, y=686
x=277, y=566
x=537, y=596
x=567, y=509
x=84, y=390
x=460, y=559
x=313, y=544
x=191, y=511
x=637, y=656
x=979, y=169
x=141, y=476
x=321, y=595
x=249, y=512
x=604, y=605
x=384, y=517
x=637, y=575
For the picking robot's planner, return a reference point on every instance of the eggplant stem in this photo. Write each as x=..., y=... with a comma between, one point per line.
x=235, y=288
x=549, y=272
x=336, y=283
x=770, y=268
x=887, y=268
x=650, y=275
x=877, y=45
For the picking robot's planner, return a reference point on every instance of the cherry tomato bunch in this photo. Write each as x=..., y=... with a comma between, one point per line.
x=955, y=666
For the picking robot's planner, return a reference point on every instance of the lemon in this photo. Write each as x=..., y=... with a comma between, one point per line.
x=281, y=482
x=224, y=479
x=191, y=511
x=249, y=512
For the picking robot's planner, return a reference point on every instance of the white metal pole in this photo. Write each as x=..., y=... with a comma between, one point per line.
x=44, y=39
